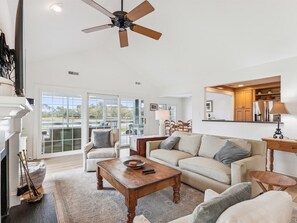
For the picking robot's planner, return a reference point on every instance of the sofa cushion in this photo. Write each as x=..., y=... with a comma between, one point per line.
x=188, y=142
x=270, y=207
x=207, y=167
x=210, y=211
x=169, y=143
x=230, y=153
x=170, y=156
x=210, y=145
x=101, y=153
x=101, y=138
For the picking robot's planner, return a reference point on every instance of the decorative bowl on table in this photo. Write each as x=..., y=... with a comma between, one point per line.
x=134, y=164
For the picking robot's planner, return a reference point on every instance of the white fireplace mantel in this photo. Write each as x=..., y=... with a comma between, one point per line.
x=12, y=110
x=14, y=107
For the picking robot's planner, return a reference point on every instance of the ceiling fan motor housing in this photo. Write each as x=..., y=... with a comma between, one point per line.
x=121, y=20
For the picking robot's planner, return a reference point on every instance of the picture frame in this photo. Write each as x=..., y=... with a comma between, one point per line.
x=209, y=106
x=162, y=106
x=153, y=107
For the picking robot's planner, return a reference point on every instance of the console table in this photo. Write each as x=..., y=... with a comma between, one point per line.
x=286, y=145
x=139, y=147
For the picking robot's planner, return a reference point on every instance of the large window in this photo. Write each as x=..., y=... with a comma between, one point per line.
x=61, y=123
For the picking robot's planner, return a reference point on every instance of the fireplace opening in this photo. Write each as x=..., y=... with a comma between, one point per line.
x=4, y=180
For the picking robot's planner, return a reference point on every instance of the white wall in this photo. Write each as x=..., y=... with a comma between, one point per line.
x=284, y=162
x=223, y=105
x=99, y=73
x=187, y=108
x=6, y=24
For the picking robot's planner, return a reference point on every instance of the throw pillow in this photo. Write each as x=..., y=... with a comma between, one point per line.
x=101, y=139
x=242, y=143
x=169, y=143
x=210, y=211
x=230, y=153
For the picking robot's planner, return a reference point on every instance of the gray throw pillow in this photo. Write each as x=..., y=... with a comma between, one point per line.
x=231, y=152
x=102, y=139
x=169, y=143
x=211, y=210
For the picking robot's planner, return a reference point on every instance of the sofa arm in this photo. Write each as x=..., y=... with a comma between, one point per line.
x=240, y=168
x=88, y=147
x=117, y=149
x=152, y=145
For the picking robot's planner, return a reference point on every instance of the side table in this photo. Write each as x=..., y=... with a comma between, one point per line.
x=140, y=145
x=285, y=145
x=272, y=180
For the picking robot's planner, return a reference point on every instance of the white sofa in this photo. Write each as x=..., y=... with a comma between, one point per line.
x=193, y=156
x=271, y=207
x=92, y=155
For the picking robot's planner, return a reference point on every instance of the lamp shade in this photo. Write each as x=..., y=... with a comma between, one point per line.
x=279, y=108
x=162, y=115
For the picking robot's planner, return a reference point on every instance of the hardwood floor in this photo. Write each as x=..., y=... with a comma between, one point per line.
x=60, y=164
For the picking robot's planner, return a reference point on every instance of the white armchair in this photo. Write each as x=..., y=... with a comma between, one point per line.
x=93, y=154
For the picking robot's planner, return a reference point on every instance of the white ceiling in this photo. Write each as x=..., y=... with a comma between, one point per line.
x=199, y=36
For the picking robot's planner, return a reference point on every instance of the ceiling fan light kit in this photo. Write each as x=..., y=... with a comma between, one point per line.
x=124, y=20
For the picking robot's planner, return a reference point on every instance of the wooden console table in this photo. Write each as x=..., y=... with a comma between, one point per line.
x=286, y=145
x=140, y=147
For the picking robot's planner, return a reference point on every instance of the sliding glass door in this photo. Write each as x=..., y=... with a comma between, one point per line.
x=132, y=119
x=103, y=112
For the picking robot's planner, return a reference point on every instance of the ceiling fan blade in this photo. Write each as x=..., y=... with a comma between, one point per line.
x=97, y=28
x=123, y=34
x=146, y=32
x=140, y=11
x=99, y=8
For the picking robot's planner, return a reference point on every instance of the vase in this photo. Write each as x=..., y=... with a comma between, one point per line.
x=6, y=87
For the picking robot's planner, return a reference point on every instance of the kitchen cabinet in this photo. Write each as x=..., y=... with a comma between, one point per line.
x=243, y=105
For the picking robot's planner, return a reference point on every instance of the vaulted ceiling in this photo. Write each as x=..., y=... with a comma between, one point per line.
x=199, y=36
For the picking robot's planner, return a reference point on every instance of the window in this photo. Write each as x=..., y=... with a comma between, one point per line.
x=132, y=119
x=103, y=112
x=172, y=110
x=61, y=123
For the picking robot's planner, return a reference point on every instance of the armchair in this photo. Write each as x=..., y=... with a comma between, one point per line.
x=93, y=154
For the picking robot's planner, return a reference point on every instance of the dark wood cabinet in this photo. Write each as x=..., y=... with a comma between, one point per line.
x=140, y=145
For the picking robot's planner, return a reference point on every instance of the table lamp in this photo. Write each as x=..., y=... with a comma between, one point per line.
x=278, y=109
x=161, y=116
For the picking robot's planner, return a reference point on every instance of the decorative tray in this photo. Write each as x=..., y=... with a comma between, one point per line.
x=134, y=164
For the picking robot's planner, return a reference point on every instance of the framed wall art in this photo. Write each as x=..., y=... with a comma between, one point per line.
x=209, y=106
x=153, y=107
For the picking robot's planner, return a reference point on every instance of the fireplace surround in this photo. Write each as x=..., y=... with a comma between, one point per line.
x=4, y=180
x=12, y=110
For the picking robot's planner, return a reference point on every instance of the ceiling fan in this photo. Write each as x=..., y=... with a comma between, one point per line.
x=124, y=20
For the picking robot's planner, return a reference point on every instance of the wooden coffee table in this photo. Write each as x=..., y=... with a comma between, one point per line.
x=133, y=184
x=272, y=179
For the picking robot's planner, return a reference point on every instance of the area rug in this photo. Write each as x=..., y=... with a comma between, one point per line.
x=79, y=201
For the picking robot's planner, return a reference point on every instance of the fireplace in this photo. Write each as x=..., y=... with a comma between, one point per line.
x=4, y=180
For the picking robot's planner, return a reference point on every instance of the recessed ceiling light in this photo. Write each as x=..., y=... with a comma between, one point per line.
x=57, y=7
x=240, y=85
x=220, y=88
